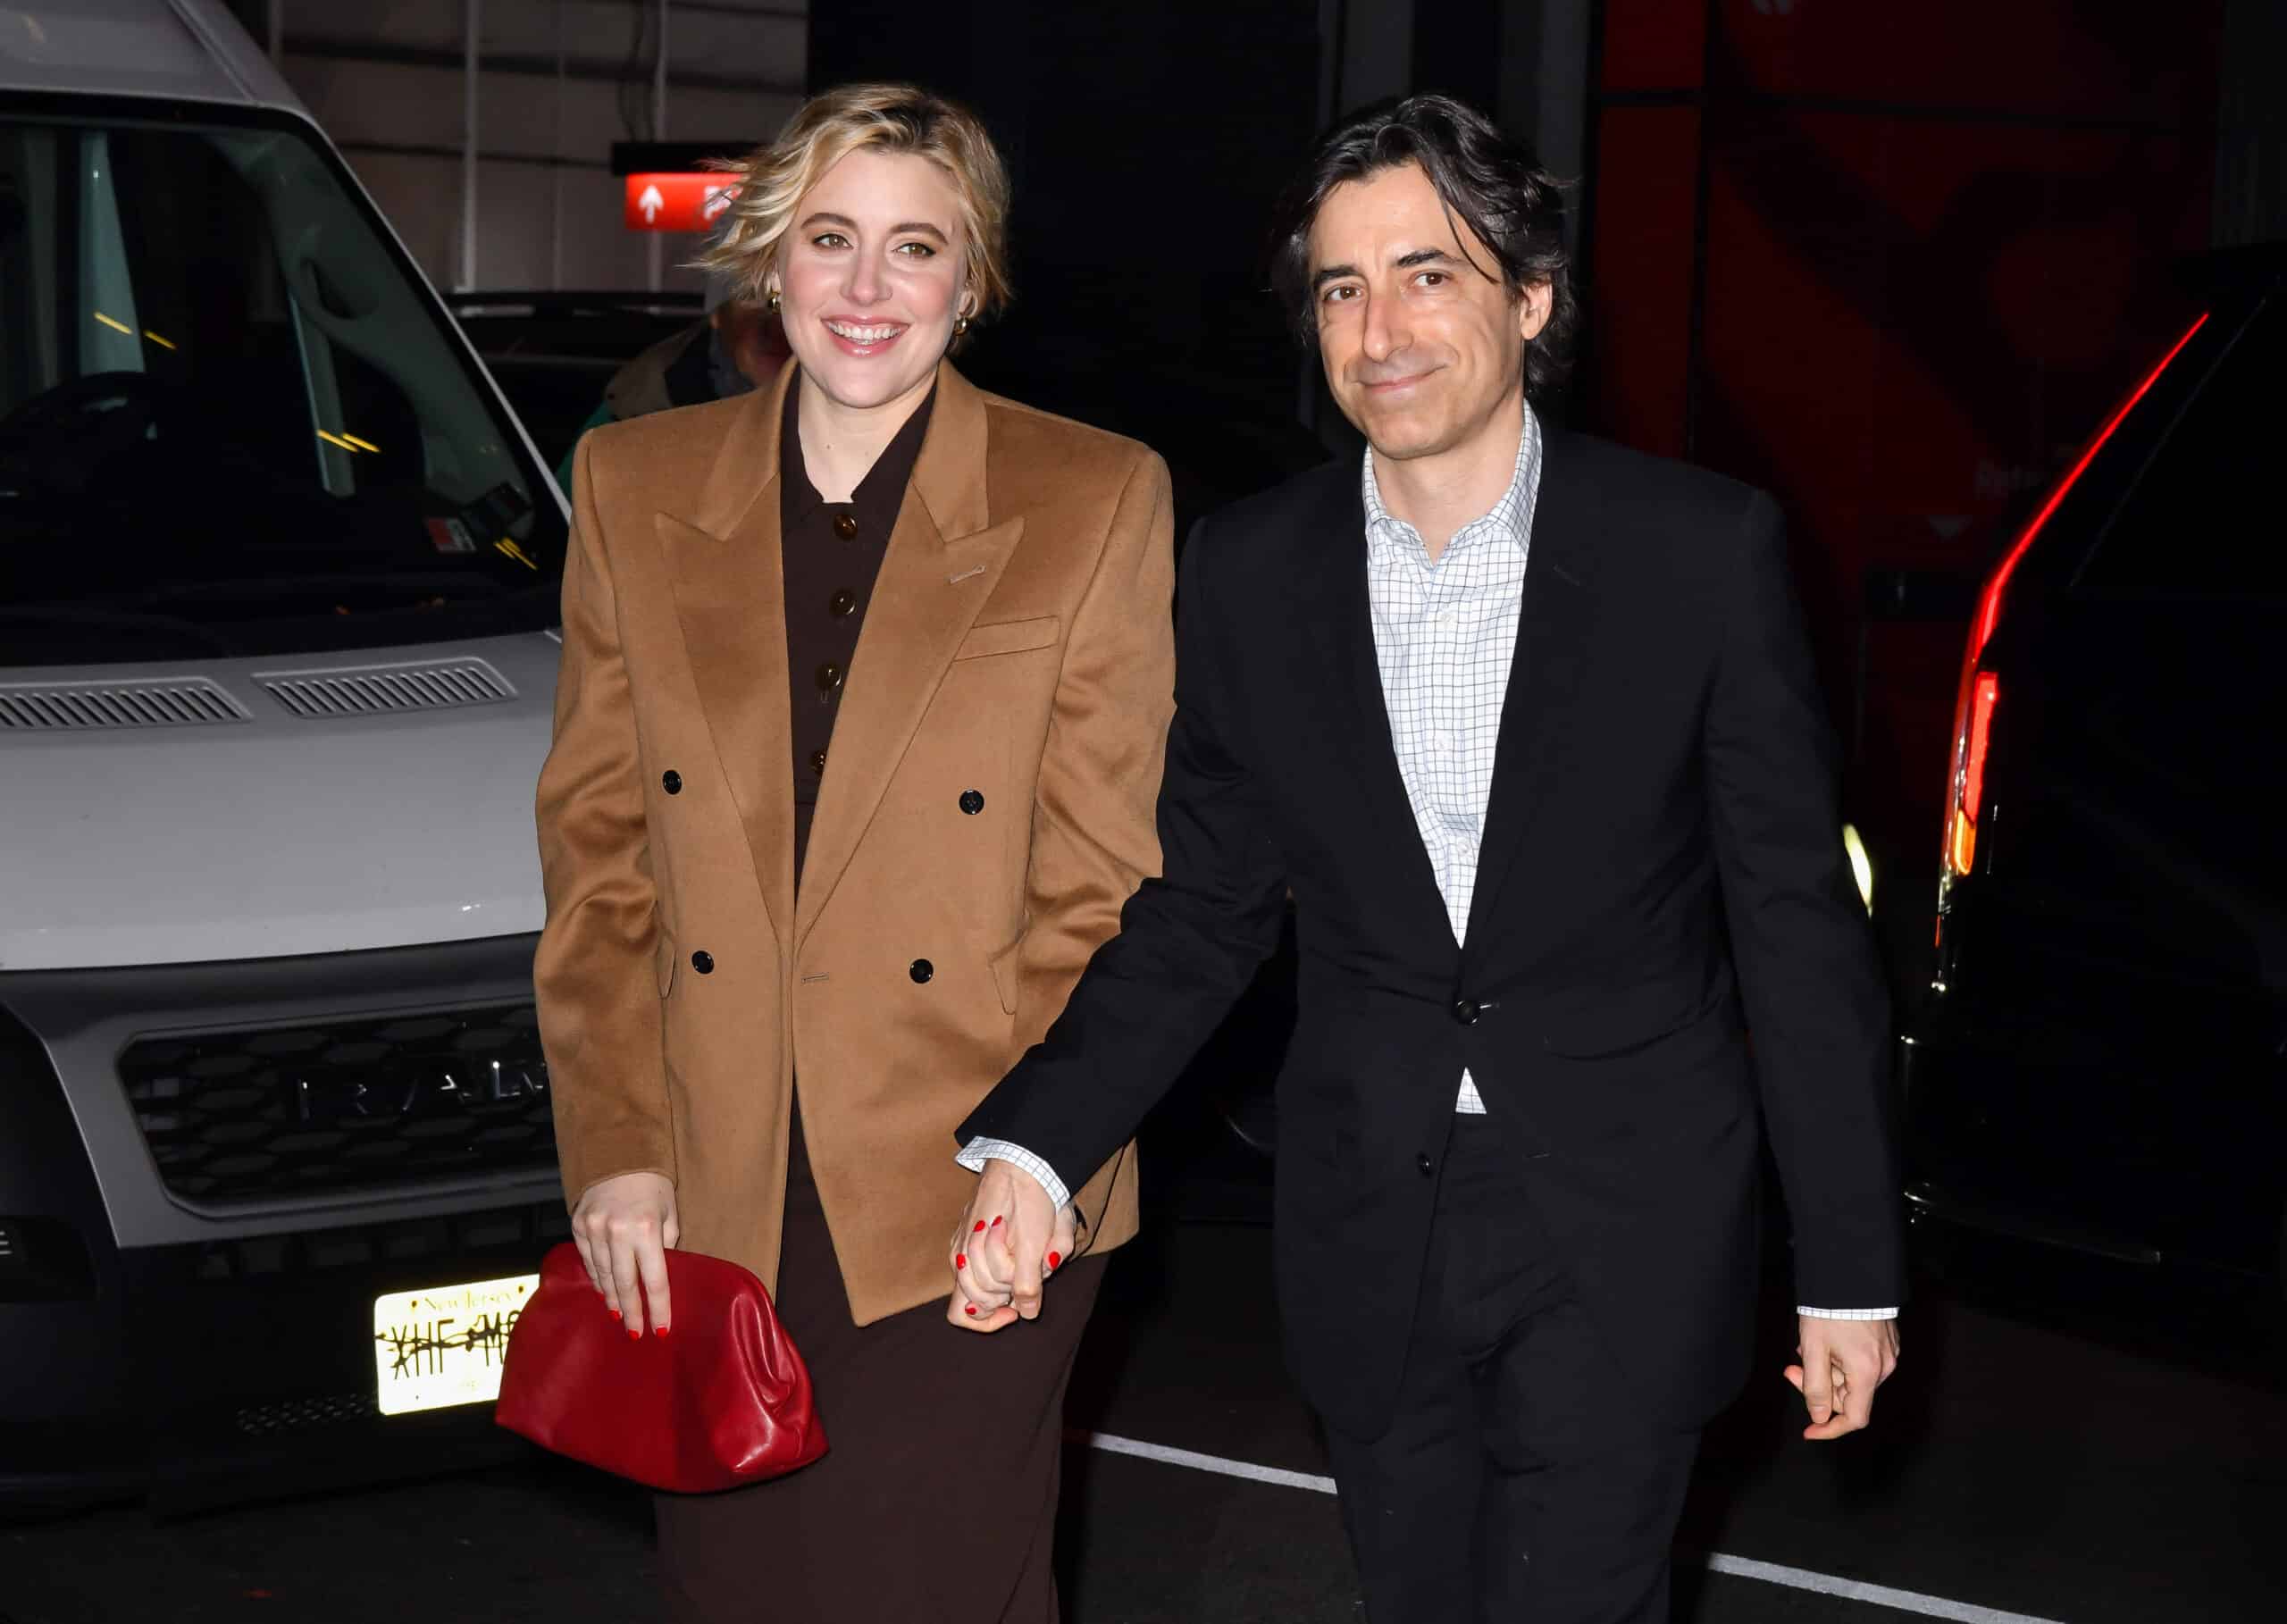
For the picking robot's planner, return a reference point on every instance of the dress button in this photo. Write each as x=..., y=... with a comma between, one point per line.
x=842, y=603
x=817, y=761
x=671, y=781
x=921, y=970
x=1426, y=1166
x=703, y=962
x=829, y=677
x=1465, y=1011
x=845, y=526
x=972, y=802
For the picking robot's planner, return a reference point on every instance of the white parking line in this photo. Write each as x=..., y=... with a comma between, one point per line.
x=1738, y=1567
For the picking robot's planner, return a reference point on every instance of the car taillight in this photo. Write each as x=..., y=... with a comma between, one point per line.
x=1980, y=690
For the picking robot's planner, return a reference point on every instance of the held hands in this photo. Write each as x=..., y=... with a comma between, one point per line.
x=1844, y=1360
x=1007, y=1244
x=622, y=1227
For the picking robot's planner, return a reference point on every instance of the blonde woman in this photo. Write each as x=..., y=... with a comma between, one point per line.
x=866, y=678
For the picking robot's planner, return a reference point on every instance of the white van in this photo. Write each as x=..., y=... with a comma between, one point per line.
x=278, y=570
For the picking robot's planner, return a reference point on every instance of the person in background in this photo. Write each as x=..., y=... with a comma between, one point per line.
x=866, y=683
x=736, y=346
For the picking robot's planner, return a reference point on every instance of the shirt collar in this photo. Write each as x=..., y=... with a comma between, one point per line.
x=880, y=493
x=1511, y=519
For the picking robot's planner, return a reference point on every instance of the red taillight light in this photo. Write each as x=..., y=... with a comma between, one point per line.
x=1981, y=690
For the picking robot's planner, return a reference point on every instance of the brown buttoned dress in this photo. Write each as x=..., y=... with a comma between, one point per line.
x=942, y=704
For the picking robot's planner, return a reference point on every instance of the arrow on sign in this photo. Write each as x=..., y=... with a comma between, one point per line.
x=651, y=203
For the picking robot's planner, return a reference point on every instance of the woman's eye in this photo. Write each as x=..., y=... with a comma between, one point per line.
x=829, y=239
x=917, y=250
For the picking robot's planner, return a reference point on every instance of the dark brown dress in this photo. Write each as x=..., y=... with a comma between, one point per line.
x=936, y=1499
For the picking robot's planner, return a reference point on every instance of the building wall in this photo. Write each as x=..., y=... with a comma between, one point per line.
x=559, y=82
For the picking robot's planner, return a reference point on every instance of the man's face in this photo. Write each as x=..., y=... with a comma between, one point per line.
x=753, y=339
x=1423, y=349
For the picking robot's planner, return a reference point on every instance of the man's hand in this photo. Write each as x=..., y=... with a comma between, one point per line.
x=1844, y=1360
x=1007, y=1243
x=624, y=1227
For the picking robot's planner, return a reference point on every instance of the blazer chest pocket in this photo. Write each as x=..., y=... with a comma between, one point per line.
x=1009, y=637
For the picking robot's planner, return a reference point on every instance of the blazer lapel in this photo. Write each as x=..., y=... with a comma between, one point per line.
x=944, y=557
x=1344, y=627
x=730, y=600
x=1555, y=640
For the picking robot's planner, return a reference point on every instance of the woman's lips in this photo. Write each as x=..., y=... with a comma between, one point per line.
x=863, y=338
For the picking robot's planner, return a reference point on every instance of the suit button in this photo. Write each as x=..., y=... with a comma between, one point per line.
x=921, y=970
x=972, y=802
x=703, y=962
x=1465, y=1011
x=671, y=781
x=1423, y=1162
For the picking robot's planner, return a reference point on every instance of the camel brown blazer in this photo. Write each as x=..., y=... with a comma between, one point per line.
x=1017, y=644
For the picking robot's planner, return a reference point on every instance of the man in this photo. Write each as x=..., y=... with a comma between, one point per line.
x=1529, y=724
x=735, y=346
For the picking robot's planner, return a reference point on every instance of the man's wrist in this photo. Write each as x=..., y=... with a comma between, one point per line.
x=977, y=1151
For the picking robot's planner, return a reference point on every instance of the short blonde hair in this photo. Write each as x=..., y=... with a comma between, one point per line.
x=772, y=180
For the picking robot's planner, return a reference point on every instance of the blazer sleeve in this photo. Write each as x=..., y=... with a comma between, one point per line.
x=1190, y=939
x=1816, y=1004
x=594, y=976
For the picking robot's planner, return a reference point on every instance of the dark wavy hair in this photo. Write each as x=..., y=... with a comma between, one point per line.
x=1490, y=181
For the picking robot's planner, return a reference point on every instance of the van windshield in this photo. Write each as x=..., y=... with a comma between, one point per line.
x=233, y=421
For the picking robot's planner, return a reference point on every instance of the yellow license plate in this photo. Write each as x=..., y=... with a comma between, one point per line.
x=443, y=1346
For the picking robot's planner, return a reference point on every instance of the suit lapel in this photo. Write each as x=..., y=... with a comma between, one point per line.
x=1555, y=640
x=1344, y=630
x=731, y=601
x=944, y=557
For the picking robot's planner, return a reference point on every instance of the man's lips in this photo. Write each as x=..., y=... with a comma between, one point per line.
x=1383, y=386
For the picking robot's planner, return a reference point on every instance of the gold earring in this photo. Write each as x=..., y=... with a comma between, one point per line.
x=770, y=304
x=960, y=324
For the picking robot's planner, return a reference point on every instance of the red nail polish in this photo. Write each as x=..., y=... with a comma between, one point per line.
x=980, y=1226
x=996, y=1223
x=633, y=1334
x=969, y=1309
x=615, y=1313
x=1055, y=1259
x=959, y=1260
x=660, y=1331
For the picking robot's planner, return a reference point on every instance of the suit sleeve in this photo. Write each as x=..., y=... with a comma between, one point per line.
x=1189, y=943
x=1816, y=1005
x=594, y=975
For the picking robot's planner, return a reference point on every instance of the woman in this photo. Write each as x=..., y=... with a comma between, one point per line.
x=866, y=680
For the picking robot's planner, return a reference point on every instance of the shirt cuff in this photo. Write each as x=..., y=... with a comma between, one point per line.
x=979, y=1151
x=1812, y=1313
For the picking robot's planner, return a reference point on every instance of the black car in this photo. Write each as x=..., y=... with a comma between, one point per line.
x=2100, y=1062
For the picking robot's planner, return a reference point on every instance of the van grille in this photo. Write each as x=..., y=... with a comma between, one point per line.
x=377, y=1102
x=76, y=706
x=388, y=690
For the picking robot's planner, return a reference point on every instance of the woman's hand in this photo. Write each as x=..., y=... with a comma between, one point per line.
x=622, y=1227
x=1007, y=1244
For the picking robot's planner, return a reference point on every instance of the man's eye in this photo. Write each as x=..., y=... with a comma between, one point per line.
x=1338, y=295
x=1431, y=278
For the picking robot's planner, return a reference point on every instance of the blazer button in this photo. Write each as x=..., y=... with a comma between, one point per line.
x=972, y=802
x=1465, y=1011
x=1423, y=1162
x=671, y=781
x=921, y=970
x=703, y=962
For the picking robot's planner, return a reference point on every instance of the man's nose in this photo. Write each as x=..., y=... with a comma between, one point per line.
x=1385, y=327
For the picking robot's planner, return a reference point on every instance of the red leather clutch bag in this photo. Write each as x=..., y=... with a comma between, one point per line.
x=722, y=1401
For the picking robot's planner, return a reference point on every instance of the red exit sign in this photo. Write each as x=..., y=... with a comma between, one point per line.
x=668, y=202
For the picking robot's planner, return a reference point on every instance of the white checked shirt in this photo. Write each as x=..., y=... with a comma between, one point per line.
x=1444, y=634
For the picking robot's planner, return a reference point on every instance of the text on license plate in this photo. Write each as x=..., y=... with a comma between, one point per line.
x=444, y=1346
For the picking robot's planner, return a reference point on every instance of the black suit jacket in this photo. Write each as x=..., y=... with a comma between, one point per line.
x=1662, y=871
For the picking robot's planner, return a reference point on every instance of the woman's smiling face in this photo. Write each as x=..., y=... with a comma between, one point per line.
x=872, y=276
